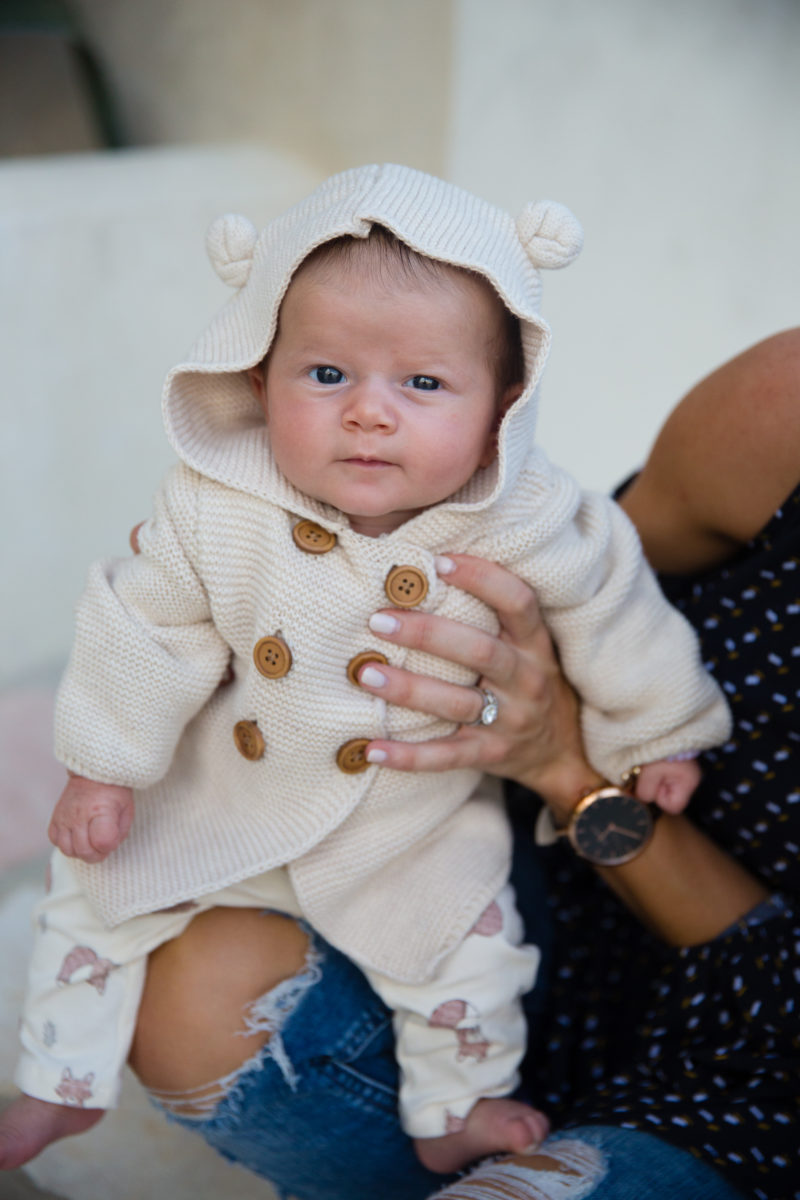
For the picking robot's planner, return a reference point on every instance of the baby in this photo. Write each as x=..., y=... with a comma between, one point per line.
x=364, y=404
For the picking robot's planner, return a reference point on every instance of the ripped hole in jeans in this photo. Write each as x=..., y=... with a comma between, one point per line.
x=268, y=1014
x=576, y=1170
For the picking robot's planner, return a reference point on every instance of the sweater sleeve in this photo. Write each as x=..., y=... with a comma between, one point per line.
x=633, y=659
x=146, y=654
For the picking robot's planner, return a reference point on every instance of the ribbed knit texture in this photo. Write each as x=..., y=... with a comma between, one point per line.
x=392, y=868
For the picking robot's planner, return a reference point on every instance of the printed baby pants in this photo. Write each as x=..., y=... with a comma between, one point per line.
x=460, y=1035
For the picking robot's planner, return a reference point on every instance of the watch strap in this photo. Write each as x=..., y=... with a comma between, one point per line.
x=544, y=831
x=547, y=833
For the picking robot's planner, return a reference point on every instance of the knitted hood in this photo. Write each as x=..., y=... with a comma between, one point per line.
x=212, y=418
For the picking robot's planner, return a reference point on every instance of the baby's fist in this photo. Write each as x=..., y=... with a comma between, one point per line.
x=91, y=819
x=669, y=784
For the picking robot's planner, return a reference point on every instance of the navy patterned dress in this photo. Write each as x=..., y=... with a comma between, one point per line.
x=701, y=1046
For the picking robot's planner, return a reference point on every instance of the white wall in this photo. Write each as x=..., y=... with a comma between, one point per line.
x=104, y=285
x=671, y=129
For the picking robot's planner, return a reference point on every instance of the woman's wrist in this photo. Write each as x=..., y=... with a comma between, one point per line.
x=563, y=784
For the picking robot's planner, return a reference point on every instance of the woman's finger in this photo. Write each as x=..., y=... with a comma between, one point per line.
x=483, y=653
x=510, y=597
x=468, y=747
x=448, y=701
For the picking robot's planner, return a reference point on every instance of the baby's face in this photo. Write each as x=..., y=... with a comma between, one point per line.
x=381, y=396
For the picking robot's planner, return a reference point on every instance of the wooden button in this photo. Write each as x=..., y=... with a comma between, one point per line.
x=350, y=757
x=358, y=661
x=406, y=586
x=313, y=538
x=249, y=740
x=272, y=657
x=134, y=537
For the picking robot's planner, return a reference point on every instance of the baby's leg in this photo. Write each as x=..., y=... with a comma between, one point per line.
x=460, y=1039
x=83, y=992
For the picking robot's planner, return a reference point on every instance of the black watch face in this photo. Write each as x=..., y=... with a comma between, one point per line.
x=612, y=829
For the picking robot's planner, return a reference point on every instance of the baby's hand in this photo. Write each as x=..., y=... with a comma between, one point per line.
x=668, y=784
x=91, y=819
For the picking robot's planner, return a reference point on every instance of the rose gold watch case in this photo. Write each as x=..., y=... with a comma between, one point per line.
x=643, y=812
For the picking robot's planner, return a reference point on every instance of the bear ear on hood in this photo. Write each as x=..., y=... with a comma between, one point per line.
x=550, y=234
x=230, y=242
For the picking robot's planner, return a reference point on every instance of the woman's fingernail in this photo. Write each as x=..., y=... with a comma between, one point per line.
x=383, y=623
x=444, y=566
x=376, y=756
x=372, y=677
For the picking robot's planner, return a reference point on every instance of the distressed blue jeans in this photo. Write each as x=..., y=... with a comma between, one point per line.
x=315, y=1112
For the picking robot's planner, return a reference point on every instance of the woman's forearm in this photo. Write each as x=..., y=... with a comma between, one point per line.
x=682, y=886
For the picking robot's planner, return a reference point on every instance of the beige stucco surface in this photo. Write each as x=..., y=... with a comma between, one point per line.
x=337, y=81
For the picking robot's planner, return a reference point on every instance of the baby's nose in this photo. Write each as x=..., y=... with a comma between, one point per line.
x=370, y=406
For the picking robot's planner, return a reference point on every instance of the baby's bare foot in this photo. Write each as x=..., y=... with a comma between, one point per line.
x=28, y=1125
x=491, y=1127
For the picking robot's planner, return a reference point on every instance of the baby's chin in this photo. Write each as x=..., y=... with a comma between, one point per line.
x=374, y=521
x=376, y=524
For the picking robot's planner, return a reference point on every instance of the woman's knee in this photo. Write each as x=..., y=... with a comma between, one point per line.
x=195, y=1020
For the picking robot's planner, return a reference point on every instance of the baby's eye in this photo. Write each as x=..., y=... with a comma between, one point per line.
x=326, y=375
x=424, y=383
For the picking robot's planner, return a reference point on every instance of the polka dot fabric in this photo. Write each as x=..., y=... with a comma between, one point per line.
x=701, y=1046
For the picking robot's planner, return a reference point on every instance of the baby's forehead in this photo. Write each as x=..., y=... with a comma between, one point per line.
x=385, y=262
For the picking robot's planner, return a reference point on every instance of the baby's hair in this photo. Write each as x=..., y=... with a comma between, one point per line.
x=387, y=256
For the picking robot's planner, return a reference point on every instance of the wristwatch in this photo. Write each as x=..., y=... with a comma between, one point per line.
x=608, y=826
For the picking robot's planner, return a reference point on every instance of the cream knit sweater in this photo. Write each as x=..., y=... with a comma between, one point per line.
x=392, y=868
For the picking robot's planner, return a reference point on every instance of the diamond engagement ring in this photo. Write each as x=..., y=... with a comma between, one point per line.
x=488, y=714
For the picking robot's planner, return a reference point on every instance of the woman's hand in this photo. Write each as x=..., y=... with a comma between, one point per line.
x=535, y=739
